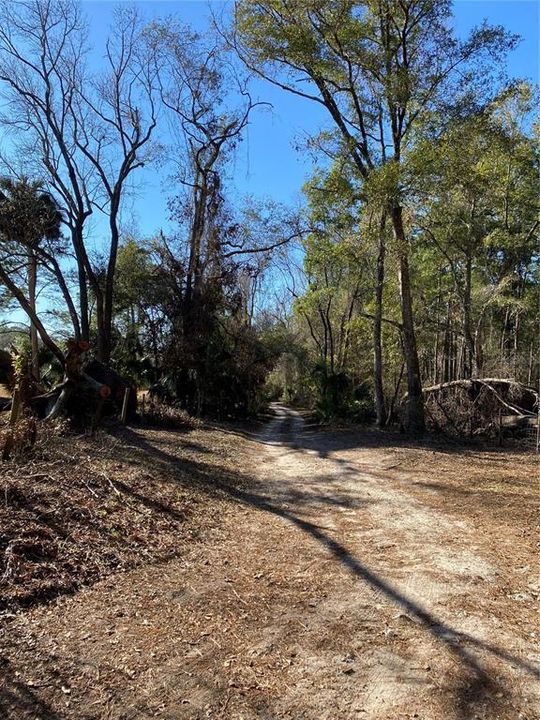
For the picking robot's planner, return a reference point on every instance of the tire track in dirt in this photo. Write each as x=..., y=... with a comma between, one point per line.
x=328, y=593
x=428, y=562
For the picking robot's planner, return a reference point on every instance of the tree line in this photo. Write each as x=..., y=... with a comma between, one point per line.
x=419, y=236
x=173, y=311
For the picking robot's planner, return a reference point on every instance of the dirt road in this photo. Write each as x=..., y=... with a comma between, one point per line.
x=338, y=586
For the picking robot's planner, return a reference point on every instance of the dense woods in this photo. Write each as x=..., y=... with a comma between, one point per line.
x=412, y=263
x=269, y=360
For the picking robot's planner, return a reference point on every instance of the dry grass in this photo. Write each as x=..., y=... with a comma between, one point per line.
x=499, y=488
x=74, y=508
x=158, y=414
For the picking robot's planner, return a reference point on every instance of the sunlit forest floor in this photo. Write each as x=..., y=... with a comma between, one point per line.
x=278, y=571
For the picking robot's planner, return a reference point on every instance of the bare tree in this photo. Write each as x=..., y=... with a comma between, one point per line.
x=194, y=78
x=115, y=116
x=42, y=52
x=85, y=135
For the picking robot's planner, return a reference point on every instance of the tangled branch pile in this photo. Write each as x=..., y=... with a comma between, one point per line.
x=160, y=415
x=480, y=406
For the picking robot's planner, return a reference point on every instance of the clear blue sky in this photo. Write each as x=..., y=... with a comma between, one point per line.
x=267, y=164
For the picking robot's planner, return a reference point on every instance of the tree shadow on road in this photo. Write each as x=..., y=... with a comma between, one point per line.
x=476, y=689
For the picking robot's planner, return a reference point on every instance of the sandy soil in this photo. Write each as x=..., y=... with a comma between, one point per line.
x=351, y=576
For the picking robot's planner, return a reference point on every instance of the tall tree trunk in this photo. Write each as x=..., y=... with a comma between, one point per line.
x=436, y=373
x=86, y=275
x=453, y=356
x=105, y=326
x=83, y=304
x=414, y=421
x=194, y=276
x=32, y=283
x=470, y=349
x=446, y=350
x=478, y=369
x=200, y=198
x=516, y=343
x=504, y=332
x=380, y=405
x=330, y=337
x=101, y=332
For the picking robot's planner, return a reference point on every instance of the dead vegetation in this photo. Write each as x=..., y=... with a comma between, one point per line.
x=159, y=414
x=305, y=596
x=75, y=508
x=480, y=406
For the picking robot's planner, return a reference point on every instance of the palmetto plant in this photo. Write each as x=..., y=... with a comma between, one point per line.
x=29, y=217
x=28, y=214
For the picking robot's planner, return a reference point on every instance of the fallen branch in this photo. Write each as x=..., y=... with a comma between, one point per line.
x=476, y=404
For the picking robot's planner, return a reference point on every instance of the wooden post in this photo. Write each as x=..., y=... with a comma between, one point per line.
x=142, y=408
x=15, y=408
x=125, y=405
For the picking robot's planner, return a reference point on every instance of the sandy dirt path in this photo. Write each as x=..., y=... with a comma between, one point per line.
x=330, y=591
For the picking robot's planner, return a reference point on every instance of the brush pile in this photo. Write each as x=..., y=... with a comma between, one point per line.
x=480, y=406
x=160, y=415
